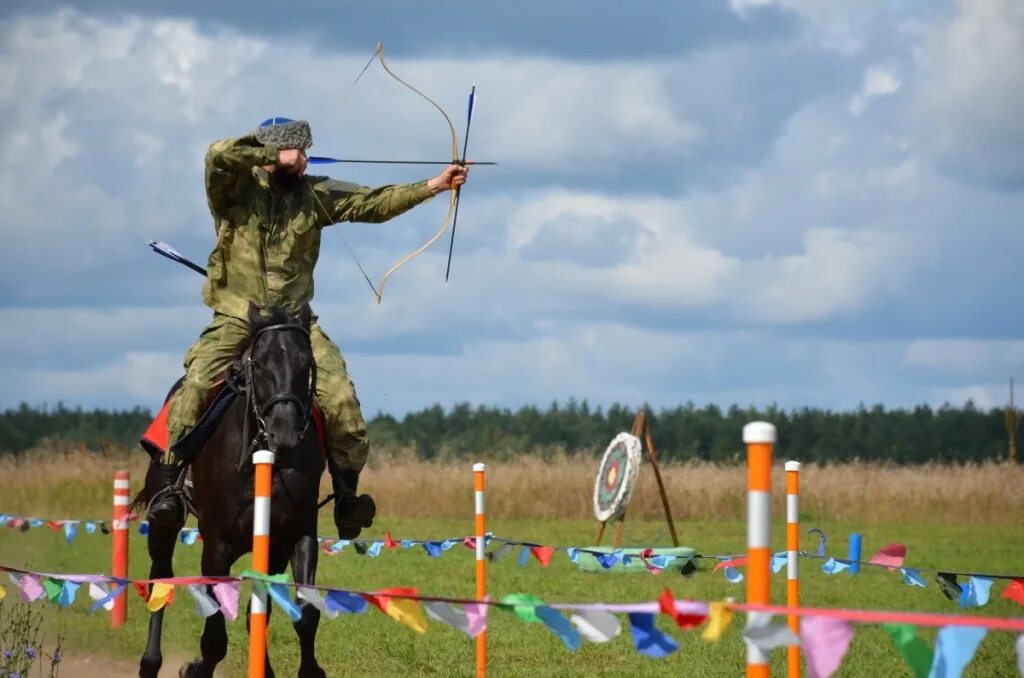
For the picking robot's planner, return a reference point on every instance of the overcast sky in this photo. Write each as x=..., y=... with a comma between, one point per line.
x=799, y=202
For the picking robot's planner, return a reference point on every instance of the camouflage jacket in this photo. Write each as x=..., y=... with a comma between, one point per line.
x=268, y=240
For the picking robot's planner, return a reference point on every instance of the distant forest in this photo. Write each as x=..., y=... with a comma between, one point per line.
x=904, y=436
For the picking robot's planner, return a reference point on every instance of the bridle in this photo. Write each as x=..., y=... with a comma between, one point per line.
x=260, y=410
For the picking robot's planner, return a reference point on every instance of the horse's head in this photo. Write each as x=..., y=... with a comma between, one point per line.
x=280, y=375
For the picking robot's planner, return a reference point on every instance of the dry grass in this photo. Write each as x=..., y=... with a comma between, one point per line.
x=56, y=482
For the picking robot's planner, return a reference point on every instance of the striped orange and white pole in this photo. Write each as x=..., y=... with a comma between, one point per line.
x=263, y=460
x=119, y=545
x=792, y=559
x=759, y=437
x=481, y=562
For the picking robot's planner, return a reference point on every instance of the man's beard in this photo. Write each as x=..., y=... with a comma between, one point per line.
x=288, y=181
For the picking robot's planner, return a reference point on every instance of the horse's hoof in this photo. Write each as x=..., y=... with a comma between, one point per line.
x=313, y=671
x=191, y=670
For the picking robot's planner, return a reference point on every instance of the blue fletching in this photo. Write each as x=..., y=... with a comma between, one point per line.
x=275, y=121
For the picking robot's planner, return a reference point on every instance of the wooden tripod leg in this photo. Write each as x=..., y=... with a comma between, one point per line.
x=600, y=534
x=640, y=425
x=617, y=540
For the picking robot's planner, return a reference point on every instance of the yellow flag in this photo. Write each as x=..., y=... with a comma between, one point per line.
x=159, y=596
x=407, y=612
x=719, y=618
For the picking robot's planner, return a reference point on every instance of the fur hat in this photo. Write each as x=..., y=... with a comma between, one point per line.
x=285, y=133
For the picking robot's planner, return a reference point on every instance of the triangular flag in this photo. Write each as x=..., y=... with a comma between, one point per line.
x=433, y=548
x=719, y=618
x=500, y=552
x=373, y=550
x=67, y=593
x=732, y=575
x=389, y=543
x=976, y=593
x=31, y=588
x=779, y=561
x=205, y=605
x=476, y=613
x=53, y=587
x=768, y=636
x=524, y=555
x=833, y=566
x=524, y=605
x=914, y=651
x=597, y=626
x=226, y=594
x=948, y=585
x=954, y=649
x=543, y=554
x=407, y=612
x=280, y=594
x=70, y=530
x=449, y=614
x=912, y=577
x=316, y=599
x=825, y=641
x=609, y=560
x=891, y=556
x=161, y=595
x=560, y=626
x=730, y=562
x=343, y=601
x=1015, y=592
x=667, y=605
x=647, y=639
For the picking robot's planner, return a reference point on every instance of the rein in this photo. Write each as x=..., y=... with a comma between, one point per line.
x=259, y=411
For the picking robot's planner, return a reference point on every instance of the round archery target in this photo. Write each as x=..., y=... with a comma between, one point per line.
x=616, y=477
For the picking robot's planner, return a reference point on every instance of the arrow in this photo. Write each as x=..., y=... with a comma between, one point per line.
x=323, y=160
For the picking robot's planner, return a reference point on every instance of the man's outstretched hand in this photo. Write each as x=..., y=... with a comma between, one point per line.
x=451, y=177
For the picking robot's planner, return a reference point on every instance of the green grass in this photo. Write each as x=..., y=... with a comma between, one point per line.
x=372, y=644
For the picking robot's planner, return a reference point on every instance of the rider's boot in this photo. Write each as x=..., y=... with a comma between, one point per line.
x=167, y=508
x=351, y=512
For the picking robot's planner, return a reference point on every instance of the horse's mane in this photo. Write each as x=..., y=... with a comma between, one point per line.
x=275, y=315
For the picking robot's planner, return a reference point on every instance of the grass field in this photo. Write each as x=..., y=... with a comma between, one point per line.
x=955, y=536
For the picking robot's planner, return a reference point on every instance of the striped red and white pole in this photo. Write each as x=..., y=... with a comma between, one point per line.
x=759, y=437
x=119, y=544
x=481, y=562
x=263, y=460
x=792, y=559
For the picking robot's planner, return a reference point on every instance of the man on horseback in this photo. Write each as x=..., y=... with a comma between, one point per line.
x=268, y=216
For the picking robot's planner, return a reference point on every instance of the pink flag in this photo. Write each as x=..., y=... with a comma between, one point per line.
x=476, y=614
x=30, y=587
x=227, y=596
x=825, y=641
x=891, y=556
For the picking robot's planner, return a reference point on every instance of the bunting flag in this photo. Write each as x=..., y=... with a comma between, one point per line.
x=401, y=609
x=452, y=615
x=226, y=594
x=667, y=605
x=719, y=618
x=162, y=594
x=976, y=593
x=389, y=543
x=954, y=649
x=343, y=601
x=779, y=561
x=647, y=639
x=825, y=641
x=597, y=626
x=912, y=577
x=543, y=554
x=281, y=596
x=524, y=605
x=206, y=606
x=1015, y=592
x=559, y=626
x=67, y=594
x=833, y=566
x=890, y=557
x=948, y=585
x=764, y=634
x=30, y=587
x=914, y=651
x=316, y=599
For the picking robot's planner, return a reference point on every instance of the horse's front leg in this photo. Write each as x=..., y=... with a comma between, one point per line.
x=217, y=561
x=304, y=560
x=160, y=543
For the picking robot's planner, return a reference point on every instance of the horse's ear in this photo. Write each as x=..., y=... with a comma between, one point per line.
x=255, y=316
x=305, y=316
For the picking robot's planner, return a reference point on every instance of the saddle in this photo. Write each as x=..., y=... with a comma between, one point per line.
x=156, y=438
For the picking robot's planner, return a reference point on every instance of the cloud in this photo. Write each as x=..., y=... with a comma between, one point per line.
x=967, y=357
x=878, y=82
x=969, y=110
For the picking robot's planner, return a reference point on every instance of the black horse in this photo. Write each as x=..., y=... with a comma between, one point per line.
x=275, y=377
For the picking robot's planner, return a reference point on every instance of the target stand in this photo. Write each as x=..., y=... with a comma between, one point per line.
x=617, y=477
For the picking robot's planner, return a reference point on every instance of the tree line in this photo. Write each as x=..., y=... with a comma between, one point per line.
x=903, y=436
